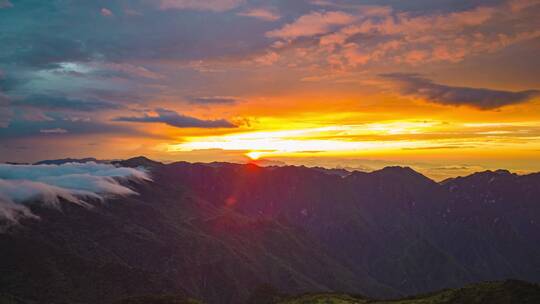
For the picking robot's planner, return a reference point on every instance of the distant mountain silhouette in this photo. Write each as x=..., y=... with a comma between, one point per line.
x=216, y=232
x=139, y=161
x=67, y=160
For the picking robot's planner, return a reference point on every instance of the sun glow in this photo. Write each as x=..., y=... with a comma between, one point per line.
x=254, y=155
x=328, y=139
x=418, y=137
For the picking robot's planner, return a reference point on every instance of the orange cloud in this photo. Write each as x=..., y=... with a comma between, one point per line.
x=380, y=34
x=312, y=24
x=265, y=14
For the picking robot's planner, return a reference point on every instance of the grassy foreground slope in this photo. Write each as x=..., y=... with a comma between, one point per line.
x=158, y=300
x=507, y=292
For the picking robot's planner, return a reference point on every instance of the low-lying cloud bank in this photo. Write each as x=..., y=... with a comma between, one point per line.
x=50, y=184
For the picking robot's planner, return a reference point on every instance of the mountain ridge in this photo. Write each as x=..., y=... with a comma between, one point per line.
x=143, y=161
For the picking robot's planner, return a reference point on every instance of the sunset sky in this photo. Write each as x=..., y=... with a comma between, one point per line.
x=448, y=87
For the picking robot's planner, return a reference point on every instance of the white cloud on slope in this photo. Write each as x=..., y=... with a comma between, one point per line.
x=51, y=184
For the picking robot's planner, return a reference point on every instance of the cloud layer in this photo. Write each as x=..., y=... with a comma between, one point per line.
x=207, y=100
x=266, y=14
x=69, y=69
x=63, y=103
x=5, y=111
x=312, y=24
x=485, y=99
x=208, y=5
x=177, y=120
x=356, y=35
x=48, y=185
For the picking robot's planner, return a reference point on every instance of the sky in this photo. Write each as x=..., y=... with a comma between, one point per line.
x=447, y=87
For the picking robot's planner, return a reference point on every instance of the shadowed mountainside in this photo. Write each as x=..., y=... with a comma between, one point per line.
x=217, y=231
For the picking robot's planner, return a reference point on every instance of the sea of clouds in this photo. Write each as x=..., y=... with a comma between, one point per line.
x=49, y=185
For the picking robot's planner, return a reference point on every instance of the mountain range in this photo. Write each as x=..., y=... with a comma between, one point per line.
x=218, y=232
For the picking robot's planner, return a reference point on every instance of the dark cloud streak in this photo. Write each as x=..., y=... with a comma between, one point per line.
x=5, y=111
x=18, y=129
x=177, y=120
x=212, y=100
x=64, y=103
x=416, y=86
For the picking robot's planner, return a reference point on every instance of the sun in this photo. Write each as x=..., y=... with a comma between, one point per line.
x=254, y=155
